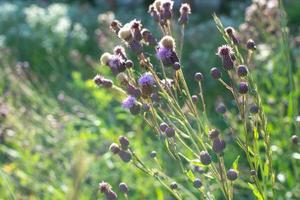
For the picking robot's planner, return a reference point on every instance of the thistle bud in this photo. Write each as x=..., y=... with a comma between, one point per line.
x=295, y=139
x=176, y=66
x=195, y=98
x=125, y=156
x=232, y=174
x=198, y=76
x=123, y=187
x=185, y=11
x=145, y=107
x=253, y=172
x=111, y=195
x=251, y=44
x=218, y=145
x=213, y=133
x=170, y=132
x=173, y=186
x=205, y=158
x=243, y=88
x=242, y=70
x=129, y=64
x=221, y=108
x=124, y=142
x=114, y=148
x=163, y=126
x=215, y=73
x=135, y=109
x=197, y=183
x=225, y=52
x=231, y=33
x=254, y=109
x=115, y=26
x=153, y=154
x=154, y=13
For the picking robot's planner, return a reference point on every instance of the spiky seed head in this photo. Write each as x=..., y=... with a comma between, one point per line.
x=105, y=57
x=168, y=42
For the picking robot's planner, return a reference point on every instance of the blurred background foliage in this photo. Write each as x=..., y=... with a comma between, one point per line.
x=56, y=126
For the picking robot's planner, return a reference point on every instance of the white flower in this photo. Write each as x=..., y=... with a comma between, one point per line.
x=35, y=15
x=63, y=26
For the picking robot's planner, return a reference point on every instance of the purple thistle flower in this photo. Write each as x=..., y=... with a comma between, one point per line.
x=224, y=50
x=146, y=79
x=116, y=64
x=129, y=102
x=165, y=55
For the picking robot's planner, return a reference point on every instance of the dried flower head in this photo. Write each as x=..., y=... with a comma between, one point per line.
x=167, y=42
x=105, y=58
x=119, y=50
x=125, y=33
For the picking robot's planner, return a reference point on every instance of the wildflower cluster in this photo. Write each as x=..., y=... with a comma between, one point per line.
x=180, y=121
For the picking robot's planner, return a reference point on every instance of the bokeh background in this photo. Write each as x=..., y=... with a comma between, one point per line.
x=56, y=126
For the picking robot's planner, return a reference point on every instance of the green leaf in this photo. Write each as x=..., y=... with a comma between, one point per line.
x=235, y=163
x=190, y=175
x=255, y=192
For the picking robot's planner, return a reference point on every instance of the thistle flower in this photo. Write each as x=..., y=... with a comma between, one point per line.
x=119, y=50
x=232, y=174
x=116, y=64
x=148, y=37
x=166, y=9
x=185, y=11
x=129, y=102
x=146, y=79
x=104, y=187
x=154, y=13
x=133, y=91
x=129, y=64
x=166, y=51
x=123, y=187
x=225, y=52
x=135, y=46
x=136, y=30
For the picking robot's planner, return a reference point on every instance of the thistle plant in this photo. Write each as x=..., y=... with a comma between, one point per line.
x=155, y=89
